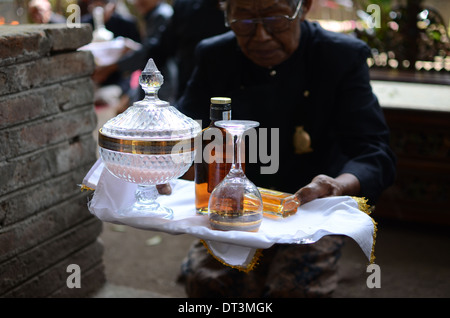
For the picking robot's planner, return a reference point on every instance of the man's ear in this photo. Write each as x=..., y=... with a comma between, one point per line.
x=306, y=6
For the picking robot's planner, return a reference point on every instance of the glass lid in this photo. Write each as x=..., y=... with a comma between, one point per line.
x=151, y=119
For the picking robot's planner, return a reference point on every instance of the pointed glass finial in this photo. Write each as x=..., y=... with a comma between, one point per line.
x=151, y=78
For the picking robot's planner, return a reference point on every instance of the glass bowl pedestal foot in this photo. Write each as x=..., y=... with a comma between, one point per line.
x=146, y=205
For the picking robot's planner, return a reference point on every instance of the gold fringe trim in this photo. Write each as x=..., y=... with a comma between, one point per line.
x=362, y=205
x=85, y=188
x=245, y=269
x=372, y=254
x=366, y=208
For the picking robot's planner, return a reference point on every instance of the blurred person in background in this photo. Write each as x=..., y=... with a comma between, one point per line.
x=192, y=21
x=112, y=91
x=156, y=14
x=40, y=11
x=118, y=24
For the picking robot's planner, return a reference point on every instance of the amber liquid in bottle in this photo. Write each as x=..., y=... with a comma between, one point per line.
x=278, y=204
x=216, y=160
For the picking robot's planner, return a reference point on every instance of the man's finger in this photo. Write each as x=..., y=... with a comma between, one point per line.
x=164, y=189
x=316, y=189
x=307, y=193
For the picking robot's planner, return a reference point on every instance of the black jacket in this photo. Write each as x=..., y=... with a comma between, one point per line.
x=118, y=25
x=324, y=87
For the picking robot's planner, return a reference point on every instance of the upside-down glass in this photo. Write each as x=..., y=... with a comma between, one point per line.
x=148, y=144
x=235, y=203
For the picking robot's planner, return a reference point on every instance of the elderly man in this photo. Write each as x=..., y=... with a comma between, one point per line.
x=288, y=73
x=41, y=12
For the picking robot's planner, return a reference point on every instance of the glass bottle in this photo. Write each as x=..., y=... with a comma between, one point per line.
x=278, y=204
x=215, y=161
x=100, y=32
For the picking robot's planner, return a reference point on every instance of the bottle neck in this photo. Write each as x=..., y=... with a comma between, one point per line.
x=217, y=114
x=97, y=16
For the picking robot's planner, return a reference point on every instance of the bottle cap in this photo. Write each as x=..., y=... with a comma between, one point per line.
x=220, y=100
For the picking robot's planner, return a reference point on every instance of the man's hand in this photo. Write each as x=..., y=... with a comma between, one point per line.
x=164, y=189
x=324, y=186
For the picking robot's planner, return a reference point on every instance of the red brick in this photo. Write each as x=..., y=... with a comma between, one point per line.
x=48, y=131
x=43, y=226
x=45, y=71
x=30, y=42
x=53, y=280
x=26, y=202
x=20, y=268
x=41, y=102
x=46, y=163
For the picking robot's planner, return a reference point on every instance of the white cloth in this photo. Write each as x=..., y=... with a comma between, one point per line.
x=109, y=52
x=313, y=220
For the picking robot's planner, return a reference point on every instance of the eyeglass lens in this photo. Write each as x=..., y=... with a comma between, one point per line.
x=271, y=24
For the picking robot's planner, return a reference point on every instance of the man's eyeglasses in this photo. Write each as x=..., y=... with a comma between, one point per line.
x=275, y=24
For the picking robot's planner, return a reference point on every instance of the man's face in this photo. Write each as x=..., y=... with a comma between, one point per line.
x=41, y=13
x=264, y=47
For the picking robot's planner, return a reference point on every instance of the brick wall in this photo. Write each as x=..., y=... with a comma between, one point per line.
x=46, y=147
